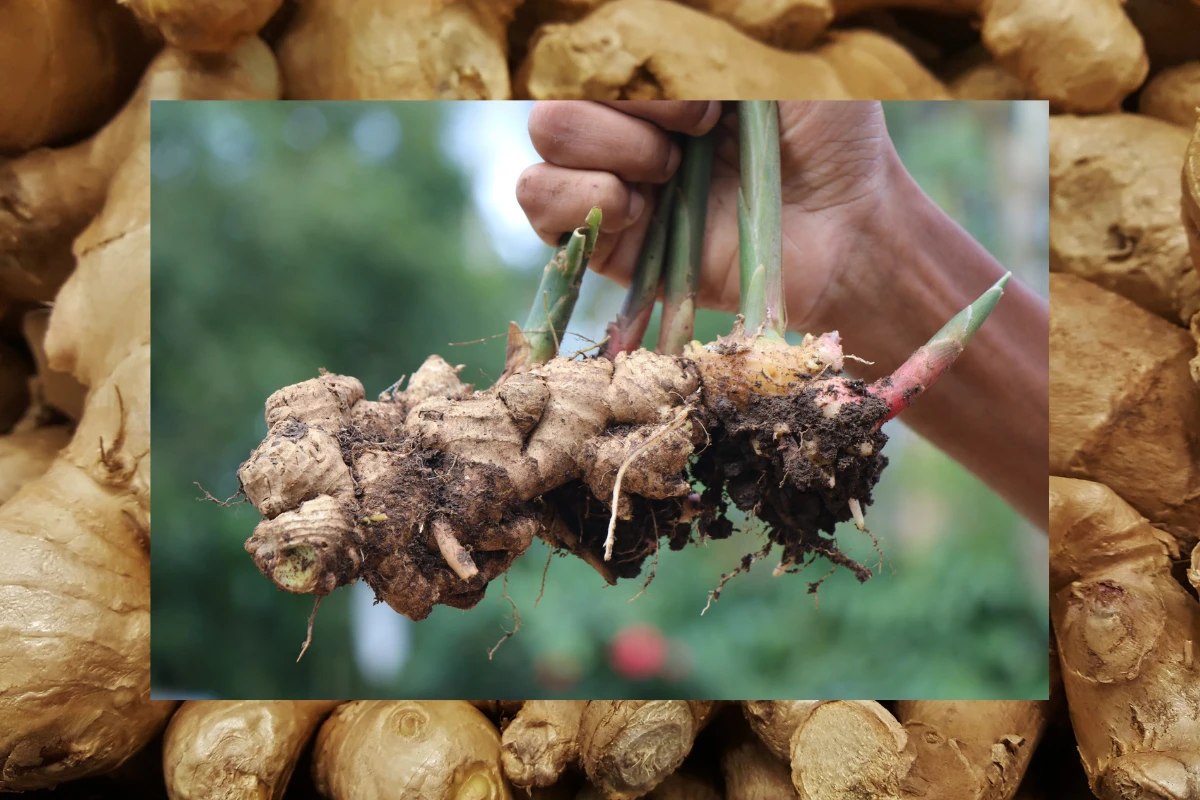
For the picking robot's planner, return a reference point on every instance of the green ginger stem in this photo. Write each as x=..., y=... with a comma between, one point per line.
x=559, y=289
x=682, y=276
x=760, y=220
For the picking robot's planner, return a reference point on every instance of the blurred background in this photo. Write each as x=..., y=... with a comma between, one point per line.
x=363, y=237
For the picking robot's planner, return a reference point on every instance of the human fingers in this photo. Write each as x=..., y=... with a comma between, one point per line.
x=593, y=136
x=556, y=200
x=682, y=116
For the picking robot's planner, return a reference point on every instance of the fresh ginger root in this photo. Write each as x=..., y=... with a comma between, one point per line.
x=206, y=26
x=49, y=388
x=67, y=66
x=1081, y=55
x=872, y=65
x=976, y=76
x=628, y=747
x=238, y=748
x=75, y=697
x=1191, y=200
x=790, y=24
x=1113, y=217
x=415, y=50
x=1173, y=95
x=1126, y=632
x=847, y=748
x=975, y=750
x=437, y=750
x=1123, y=409
x=941, y=750
x=750, y=769
x=619, y=52
x=542, y=741
x=47, y=196
x=26, y=455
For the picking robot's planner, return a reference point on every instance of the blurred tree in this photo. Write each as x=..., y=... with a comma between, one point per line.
x=289, y=237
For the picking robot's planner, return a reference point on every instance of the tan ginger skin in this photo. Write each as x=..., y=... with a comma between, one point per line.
x=542, y=741
x=238, y=748
x=1126, y=632
x=27, y=455
x=414, y=50
x=1114, y=218
x=941, y=750
x=58, y=390
x=975, y=750
x=628, y=747
x=619, y=51
x=67, y=66
x=1081, y=55
x=751, y=771
x=79, y=536
x=47, y=196
x=205, y=26
x=1124, y=410
x=1173, y=95
x=435, y=750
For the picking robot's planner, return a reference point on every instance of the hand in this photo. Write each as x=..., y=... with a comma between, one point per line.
x=865, y=251
x=835, y=160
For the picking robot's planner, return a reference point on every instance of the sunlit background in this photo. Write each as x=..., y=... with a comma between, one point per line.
x=362, y=237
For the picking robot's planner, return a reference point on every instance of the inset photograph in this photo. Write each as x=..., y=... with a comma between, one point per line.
x=600, y=400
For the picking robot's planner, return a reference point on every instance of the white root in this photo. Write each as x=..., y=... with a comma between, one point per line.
x=455, y=554
x=856, y=510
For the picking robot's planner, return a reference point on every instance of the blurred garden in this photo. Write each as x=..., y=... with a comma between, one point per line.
x=360, y=238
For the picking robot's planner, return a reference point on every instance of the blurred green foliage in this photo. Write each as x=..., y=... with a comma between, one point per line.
x=291, y=237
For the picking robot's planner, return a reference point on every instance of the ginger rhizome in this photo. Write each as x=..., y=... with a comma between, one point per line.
x=68, y=65
x=439, y=750
x=942, y=750
x=430, y=493
x=1114, y=209
x=1126, y=632
x=75, y=696
x=1124, y=410
x=417, y=50
x=238, y=748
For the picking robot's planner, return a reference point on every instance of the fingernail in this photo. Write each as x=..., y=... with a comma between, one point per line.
x=637, y=203
x=673, y=160
x=712, y=115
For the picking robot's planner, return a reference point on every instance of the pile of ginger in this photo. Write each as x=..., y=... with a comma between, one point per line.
x=1123, y=80
x=607, y=750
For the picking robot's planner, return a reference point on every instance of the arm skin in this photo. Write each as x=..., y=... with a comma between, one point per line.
x=911, y=269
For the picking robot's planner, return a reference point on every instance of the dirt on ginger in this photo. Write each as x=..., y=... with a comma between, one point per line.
x=76, y=704
x=238, y=748
x=415, y=50
x=1113, y=217
x=1124, y=410
x=435, y=750
x=1126, y=632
